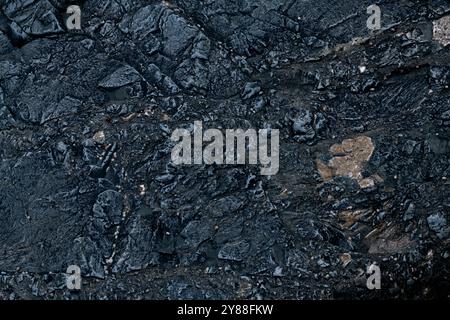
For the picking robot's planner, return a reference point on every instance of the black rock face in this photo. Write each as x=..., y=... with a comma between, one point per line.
x=86, y=118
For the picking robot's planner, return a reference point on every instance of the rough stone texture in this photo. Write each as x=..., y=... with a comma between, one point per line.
x=86, y=179
x=348, y=161
x=441, y=31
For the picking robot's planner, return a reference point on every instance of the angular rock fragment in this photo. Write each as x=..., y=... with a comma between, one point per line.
x=235, y=251
x=438, y=224
x=31, y=18
x=107, y=209
x=121, y=77
x=195, y=233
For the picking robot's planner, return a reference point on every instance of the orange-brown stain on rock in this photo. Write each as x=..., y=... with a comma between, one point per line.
x=349, y=159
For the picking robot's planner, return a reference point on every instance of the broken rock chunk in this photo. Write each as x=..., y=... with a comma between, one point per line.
x=235, y=251
x=349, y=159
x=121, y=77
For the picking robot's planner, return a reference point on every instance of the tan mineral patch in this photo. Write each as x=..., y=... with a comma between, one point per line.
x=345, y=258
x=441, y=30
x=390, y=240
x=349, y=218
x=349, y=159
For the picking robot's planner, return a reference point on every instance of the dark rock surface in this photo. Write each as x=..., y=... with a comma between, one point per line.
x=86, y=179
